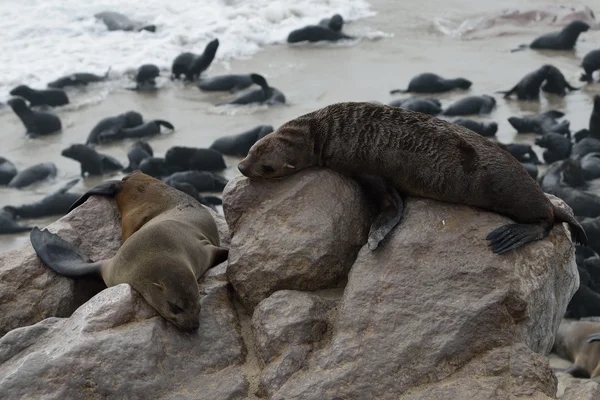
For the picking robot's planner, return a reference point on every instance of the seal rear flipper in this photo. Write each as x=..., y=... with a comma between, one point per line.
x=166, y=124
x=511, y=236
x=578, y=234
x=385, y=222
x=61, y=256
x=260, y=81
x=108, y=188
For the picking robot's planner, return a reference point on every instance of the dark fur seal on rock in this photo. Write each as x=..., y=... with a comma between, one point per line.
x=433, y=83
x=169, y=241
x=37, y=123
x=202, y=181
x=226, y=83
x=556, y=83
x=7, y=171
x=558, y=147
x=238, y=145
x=363, y=138
x=192, y=65
x=523, y=152
x=9, y=224
x=111, y=126
x=487, y=129
x=471, y=105
x=35, y=173
x=265, y=95
x=335, y=23
x=544, y=122
x=316, y=33
x=590, y=64
x=77, y=79
x=562, y=40
x=57, y=203
x=426, y=106
x=528, y=87
x=92, y=162
x=179, y=158
x=48, y=97
x=138, y=152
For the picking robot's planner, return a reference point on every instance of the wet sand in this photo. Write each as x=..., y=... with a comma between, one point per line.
x=313, y=76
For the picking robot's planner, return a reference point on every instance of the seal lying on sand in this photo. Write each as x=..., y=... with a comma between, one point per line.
x=169, y=240
x=77, y=79
x=49, y=97
x=226, y=83
x=265, y=95
x=433, y=83
x=35, y=173
x=420, y=156
x=57, y=203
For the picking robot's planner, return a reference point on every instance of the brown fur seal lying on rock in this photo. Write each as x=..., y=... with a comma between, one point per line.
x=169, y=241
x=420, y=156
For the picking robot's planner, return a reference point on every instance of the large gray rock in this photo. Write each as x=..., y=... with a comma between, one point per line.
x=116, y=346
x=300, y=233
x=30, y=291
x=433, y=313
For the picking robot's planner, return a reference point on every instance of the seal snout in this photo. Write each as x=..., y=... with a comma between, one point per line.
x=243, y=168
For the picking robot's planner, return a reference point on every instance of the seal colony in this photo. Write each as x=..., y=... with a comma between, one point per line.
x=420, y=156
x=169, y=241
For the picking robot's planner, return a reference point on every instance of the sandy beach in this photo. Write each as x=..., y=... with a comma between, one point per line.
x=312, y=76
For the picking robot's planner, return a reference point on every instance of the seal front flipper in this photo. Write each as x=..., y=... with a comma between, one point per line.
x=61, y=256
x=511, y=236
x=108, y=188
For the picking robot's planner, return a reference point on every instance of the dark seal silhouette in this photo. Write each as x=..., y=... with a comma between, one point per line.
x=48, y=97
x=432, y=83
x=37, y=123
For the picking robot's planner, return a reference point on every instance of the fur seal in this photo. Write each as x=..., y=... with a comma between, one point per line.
x=544, y=122
x=335, y=23
x=398, y=145
x=528, y=87
x=154, y=166
x=594, y=126
x=57, y=203
x=432, y=83
x=145, y=77
x=590, y=165
x=77, y=79
x=37, y=123
x=7, y=171
x=316, y=33
x=115, y=21
x=179, y=158
x=471, y=105
x=562, y=40
x=35, y=173
x=9, y=224
x=487, y=129
x=426, y=106
x=192, y=65
x=150, y=128
x=169, y=241
x=111, y=126
x=523, y=152
x=138, y=152
x=202, y=181
x=590, y=64
x=558, y=147
x=573, y=343
x=585, y=146
x=92, y=162
x=265, y=95
x=556, y=83
x=48, y=97
x=238, y=145
x=226, y=83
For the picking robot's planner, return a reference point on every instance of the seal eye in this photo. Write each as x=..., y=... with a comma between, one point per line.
x=175, y=309
x=267, y=169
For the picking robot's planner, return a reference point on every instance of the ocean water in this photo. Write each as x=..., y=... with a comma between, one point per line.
x=41, y=40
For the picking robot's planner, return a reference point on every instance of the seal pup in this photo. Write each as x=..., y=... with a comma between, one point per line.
x=590, y=64
x=594, y=125
x=432, y=83
x=138, y=152
x=528, y=87
x=426, y=106
x=169, y=241
x=201, y=181
x=544, y=122
x=316, y=33
x=77, y=79
x=57, y=203
x=471, y=105
x=573, y=342
x=181, y=65
x=556, y=83
x=469, y=170
x=9, y=224
x=48, y=97
x=111, y=126
x=265, y=95
x=7, y=171
x=115, y=21
x=92, y=162
x=155, y=167
x=335, y=23
x=180, y=158
x=191, y=65
x=487, y=129
x=523, y=152
x=35, y=173
x=226, y=83
x=238, y=145
x=37, y=123
x=561, y=40
x=558, y=147
x=145, y=77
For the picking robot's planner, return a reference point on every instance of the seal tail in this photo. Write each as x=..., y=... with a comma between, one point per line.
x=578, y=234
x=61, y=256
x=108, y=188
x=520, y=48
x=398, y=91
x=166, y=124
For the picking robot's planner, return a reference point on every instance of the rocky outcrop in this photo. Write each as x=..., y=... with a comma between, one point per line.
x=431, y=314
x=299, y=233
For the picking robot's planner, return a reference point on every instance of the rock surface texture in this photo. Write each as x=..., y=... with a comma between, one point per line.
x=431, y=314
